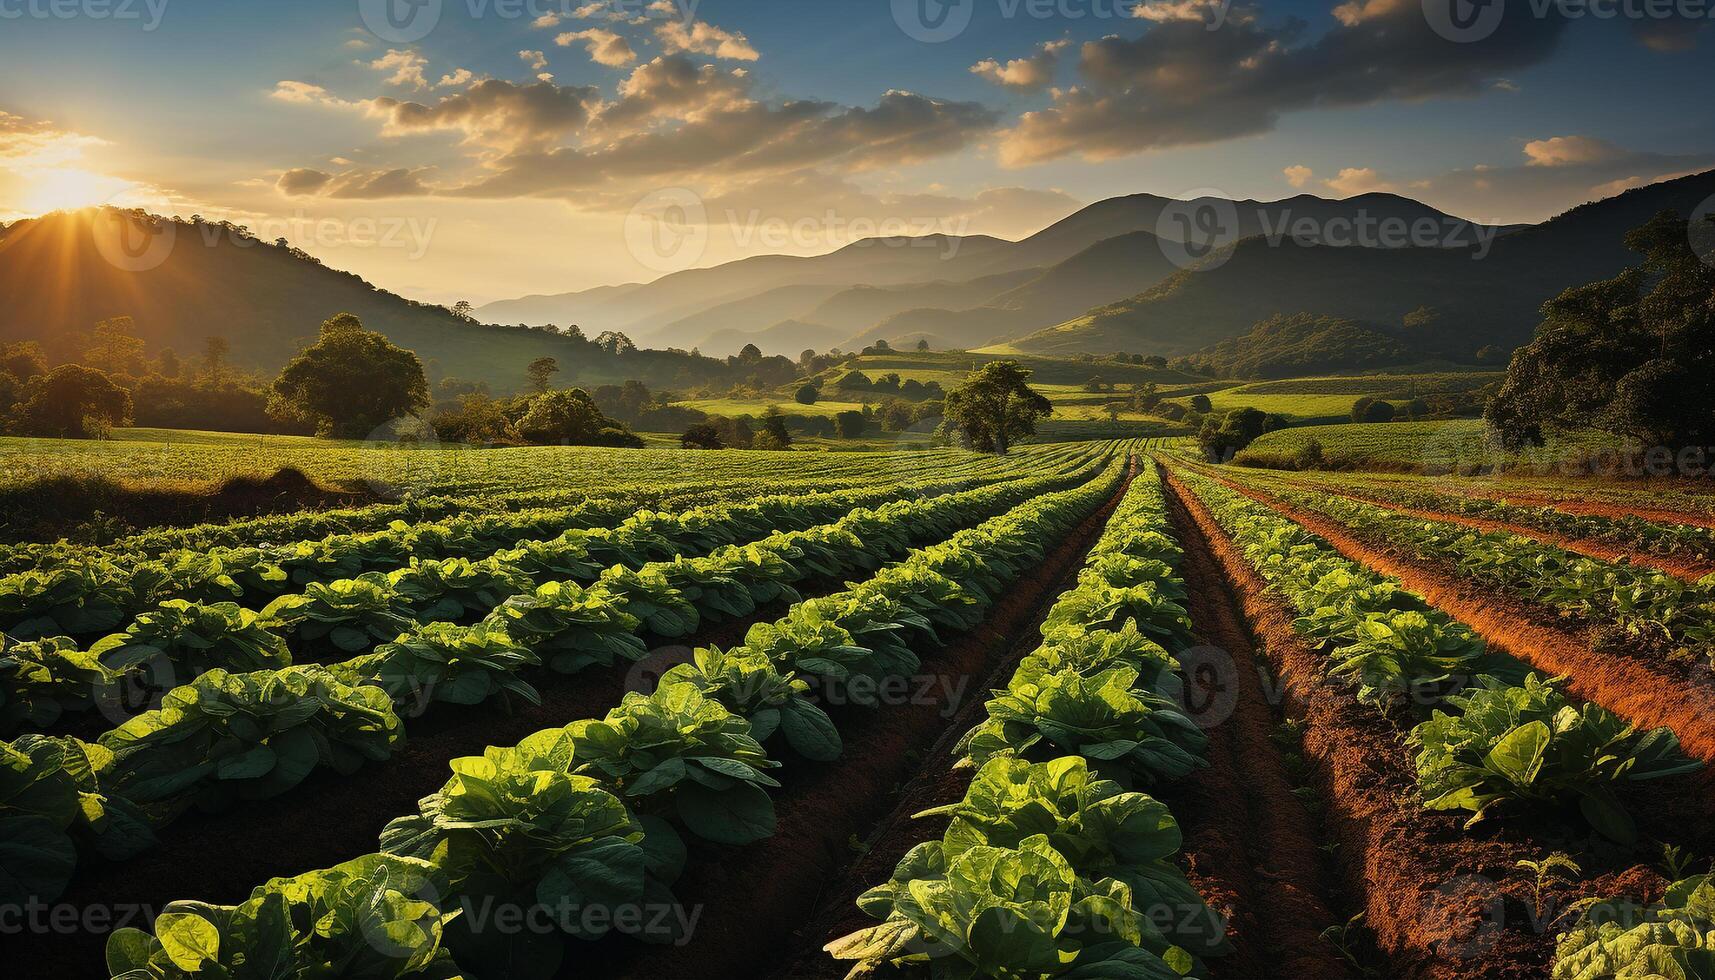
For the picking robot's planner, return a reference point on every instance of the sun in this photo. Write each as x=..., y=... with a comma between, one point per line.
x=66, y=188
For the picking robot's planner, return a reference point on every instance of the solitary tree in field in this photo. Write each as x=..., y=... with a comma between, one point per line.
x=923, y=345
x=703, y=435
x=350, y=382
x=996, y=407
x=540, y=372
x=807, y=394
x=1634, y=355
x=214, y=351
x=1201, y=403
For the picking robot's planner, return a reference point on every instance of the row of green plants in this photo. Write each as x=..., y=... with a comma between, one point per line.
x=195, y=759
x=1053, y=864
x=72, y=595
x=623, y=493
x=590, y=820
x=1631, y=603
x=1622, y=530
x=1489, y=738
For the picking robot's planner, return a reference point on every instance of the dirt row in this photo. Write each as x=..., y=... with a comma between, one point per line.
x=1647, y=690
x=1439, y=902
x=752, y=901
x=1689, y=569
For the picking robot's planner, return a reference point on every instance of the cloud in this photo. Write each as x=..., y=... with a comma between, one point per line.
x=406, y=66
x=535, y=60
x=1173, y=11
x=1353, y=181
x=1673, y=35
x=674, y=88
x=698, y=37
x=304, y=93
x=494, y=113
x=547, y=21
x=353, y=184
x=1179, y=84
x=1031, y=74
x=604, y=46
x=1564, y=151
x=457, y=79
x=1298, y=175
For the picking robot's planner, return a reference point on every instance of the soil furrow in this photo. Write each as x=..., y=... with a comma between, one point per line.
x=1436, y=899
x=1251, y=847
x=1689, y=569
x=1650, y=693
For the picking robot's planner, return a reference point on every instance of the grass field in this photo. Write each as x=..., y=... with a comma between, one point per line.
x=1435, y=447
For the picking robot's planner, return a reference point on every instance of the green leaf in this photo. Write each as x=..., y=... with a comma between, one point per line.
x=743, y=814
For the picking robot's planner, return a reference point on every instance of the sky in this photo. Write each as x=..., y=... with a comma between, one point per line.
x=485, y=149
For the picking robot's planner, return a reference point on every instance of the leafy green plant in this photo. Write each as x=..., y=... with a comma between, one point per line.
x=196, y=638
x=651, y=597
x=452, y=589
x=446, y=662
x=513, y=827
x=1530, y=744
x=42, y=680
x=1554, y=867
x=572, y=628
x=369, y=918
x=251, y=736
x=1396, y=653
x=747, y=683
x=51, y=796
x=687, y=755
x=1009, y=913
x=84, y=599
x=350, y=615
x=1106, y=718
x=1622, y=939
x=1101, y=829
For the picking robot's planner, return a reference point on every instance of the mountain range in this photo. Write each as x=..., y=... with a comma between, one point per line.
x=1115, y=276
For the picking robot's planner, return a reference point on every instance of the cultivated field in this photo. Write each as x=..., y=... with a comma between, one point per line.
x=1089, y=709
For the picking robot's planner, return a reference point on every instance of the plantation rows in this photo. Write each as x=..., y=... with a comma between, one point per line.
x=717, y=811
x=1478, y=734
x=608, y=811
x=251, y=725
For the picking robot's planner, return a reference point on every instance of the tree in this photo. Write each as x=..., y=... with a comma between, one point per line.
x=1222, y=438
x=1633, y=355
x=350, y=382
x=807, y=394
x=614, y=342
x=541, y=372
x=1095, y=385
x=854, y=381
x=1369, y=409
x=849, y=425
x=23, y=360
x=1113, y=410
x=167, y=365
x=1155, y=361
x=896, y=415
x=463, y=310
x=114, y=347
x=1145, y=396
x=214, y=351
x=750, y=354
x=923, y=345
x=996, y=407
x=774, y=432
x=703, y=435
x=1201, y=403
x=76, y=402
x=570, y=417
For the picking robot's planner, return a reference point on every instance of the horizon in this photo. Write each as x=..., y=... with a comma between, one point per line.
x=536, y=148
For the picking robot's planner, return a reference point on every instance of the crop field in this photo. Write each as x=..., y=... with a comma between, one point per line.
x=1090, y=709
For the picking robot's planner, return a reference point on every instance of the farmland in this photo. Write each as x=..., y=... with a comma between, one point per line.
x=789, y=715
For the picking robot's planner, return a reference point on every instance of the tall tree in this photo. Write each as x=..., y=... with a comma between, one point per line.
x=350, y=382
x=996, y=407
x=1633, y=355
x=540, y=372
x=76, y=402
x=114, y=347
x=214, y=351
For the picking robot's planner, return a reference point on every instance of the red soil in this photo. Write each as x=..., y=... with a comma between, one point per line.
x=1442, y=903
x=1689, y=569
x=1250, y=845
x=1594, y=508
x=1649, y=692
